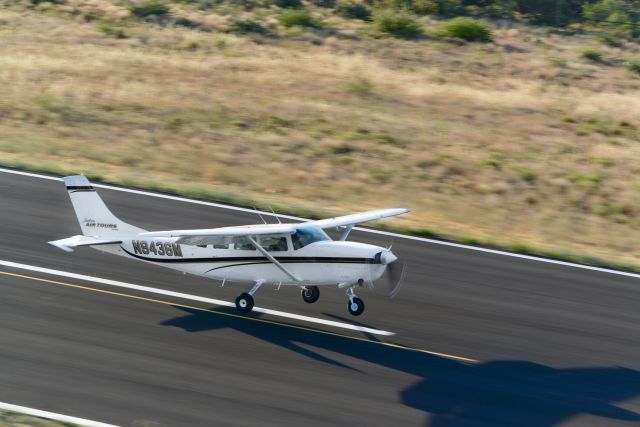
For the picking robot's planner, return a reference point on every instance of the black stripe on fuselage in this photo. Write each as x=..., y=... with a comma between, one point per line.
x=79, y=188
x=238, y=265
x=261, y=259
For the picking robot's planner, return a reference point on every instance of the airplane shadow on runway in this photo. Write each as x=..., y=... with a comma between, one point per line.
x=496, y=393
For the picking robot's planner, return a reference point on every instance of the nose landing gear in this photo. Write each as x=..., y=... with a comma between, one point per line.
x=355, y=304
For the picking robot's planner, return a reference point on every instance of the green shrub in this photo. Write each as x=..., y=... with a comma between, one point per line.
x=617, y=15
x=450, y=7
x=547, y=12
x=288, y=4
x=425, y=7
x=324, y=3
x=592, y=54
x=248, y=26
x=150, y=7
x=399, y=23
x=634, y=65
x=466, y=29
x=601, y=10
x=501, y=9
x=298, y=17
x=353, y=10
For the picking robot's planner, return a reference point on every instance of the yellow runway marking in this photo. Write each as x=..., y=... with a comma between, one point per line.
x=121, y=294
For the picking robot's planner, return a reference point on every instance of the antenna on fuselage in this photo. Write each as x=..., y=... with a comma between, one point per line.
x=258, y=212
x=275, y=214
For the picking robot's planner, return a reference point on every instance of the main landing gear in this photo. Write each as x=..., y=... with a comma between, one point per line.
x=310, y=294
x=244, y=302
x=355, y=304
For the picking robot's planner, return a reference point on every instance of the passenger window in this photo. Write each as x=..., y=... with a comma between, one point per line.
x=243, y=244
x=274, y=243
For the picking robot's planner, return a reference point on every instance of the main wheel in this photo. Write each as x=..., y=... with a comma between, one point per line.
x=355, y=306
x=244, y=302
x=310, y=294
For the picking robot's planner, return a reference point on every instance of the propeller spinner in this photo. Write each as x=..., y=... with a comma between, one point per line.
x=394, y=272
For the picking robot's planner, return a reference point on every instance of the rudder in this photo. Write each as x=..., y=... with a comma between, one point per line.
x=93, y=215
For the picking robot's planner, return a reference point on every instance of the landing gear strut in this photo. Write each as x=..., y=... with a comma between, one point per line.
x=244, y=302
x=310, y=294
x=355, y=304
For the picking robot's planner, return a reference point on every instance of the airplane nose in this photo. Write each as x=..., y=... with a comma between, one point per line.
x=387, y=258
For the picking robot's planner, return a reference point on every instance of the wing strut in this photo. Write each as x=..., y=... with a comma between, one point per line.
x=273, y=260
x=346, y=232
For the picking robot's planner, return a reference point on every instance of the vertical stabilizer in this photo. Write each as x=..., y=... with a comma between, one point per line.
x=95, y=218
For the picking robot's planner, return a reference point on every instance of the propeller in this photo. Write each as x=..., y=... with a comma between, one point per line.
x=393, y=276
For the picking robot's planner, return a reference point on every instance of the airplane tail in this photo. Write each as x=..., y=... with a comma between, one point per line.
x=96, y=220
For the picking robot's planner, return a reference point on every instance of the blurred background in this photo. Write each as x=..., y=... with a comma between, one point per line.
x=508, y=123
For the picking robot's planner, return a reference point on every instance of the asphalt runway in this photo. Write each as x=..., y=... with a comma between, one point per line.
x=550, y=344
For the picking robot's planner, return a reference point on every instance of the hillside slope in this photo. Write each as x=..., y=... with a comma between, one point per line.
x=526, y=141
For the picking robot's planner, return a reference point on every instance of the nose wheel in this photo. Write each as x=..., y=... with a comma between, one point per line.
x=310, y=294
x=355, y=305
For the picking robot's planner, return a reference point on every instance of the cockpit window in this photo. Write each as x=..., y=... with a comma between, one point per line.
x=307, y=235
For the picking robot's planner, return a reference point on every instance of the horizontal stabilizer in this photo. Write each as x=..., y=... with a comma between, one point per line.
x=69, y=243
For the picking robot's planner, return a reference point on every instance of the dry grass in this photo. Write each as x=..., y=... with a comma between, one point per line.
x=13, y=419
x=520, y=140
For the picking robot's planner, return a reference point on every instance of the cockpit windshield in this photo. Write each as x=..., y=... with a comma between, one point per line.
x=307, y=235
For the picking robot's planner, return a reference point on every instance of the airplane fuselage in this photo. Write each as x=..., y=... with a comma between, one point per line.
x=319, y=263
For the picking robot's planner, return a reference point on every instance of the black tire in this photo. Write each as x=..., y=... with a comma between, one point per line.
x=244, y=303
x=310, y=294
x=355, y=306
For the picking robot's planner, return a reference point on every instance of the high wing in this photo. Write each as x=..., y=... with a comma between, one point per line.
x=359, y=217
x=69, y=243
x=210, y=235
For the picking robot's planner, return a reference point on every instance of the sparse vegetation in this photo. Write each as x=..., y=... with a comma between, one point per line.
x=523, y=139
x=360, y=86
x=610, y=40
x=634, y=65
x=399, y=23
x=14, y=419
x=558, y=62
x=112, y=30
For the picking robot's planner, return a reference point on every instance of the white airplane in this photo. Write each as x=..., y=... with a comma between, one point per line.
x=298, y=254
